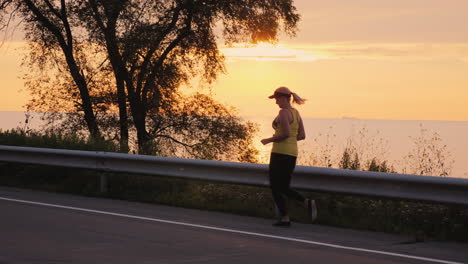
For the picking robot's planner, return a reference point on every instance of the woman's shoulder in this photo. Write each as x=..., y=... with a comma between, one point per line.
x=287, y=112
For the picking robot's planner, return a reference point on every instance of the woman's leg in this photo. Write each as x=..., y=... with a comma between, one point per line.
x=281, y=169
x=291, y=193
x=277, y=181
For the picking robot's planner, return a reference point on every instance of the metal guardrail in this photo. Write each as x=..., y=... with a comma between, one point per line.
x=385, y=185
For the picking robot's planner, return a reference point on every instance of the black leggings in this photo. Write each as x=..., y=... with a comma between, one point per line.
x=281, y=169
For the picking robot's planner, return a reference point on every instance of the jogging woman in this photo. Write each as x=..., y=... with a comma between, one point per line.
x=289, y=129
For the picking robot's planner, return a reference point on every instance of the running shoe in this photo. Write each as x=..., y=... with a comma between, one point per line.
x=282, y=223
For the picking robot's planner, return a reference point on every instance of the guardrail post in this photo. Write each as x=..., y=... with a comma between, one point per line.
x=103, y=182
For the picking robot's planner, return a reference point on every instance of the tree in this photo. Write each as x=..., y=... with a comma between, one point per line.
x=376, y=165
x=347, y=162
x=151, y=45
x=48, y=27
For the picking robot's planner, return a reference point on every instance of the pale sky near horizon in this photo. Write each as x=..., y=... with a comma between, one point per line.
x=371, y=59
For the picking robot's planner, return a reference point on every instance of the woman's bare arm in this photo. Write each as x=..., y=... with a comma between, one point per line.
x=301, y=132
x=283, y=120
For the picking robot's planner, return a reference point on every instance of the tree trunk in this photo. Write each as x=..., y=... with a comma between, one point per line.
x=117, y=66
x=84, y=93
x=66, y=44
x=123, y=118
x=119, y=72
x=139, y=117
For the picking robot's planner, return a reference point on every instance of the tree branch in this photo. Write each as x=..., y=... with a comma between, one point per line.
x=6, y=25
x=157, y=42
x=46, y=22
x=66, y=24
x=64, y=18
x=175, y=140
x=96, y=15
x=52, y=9
x=4, y=3
x=151, y=79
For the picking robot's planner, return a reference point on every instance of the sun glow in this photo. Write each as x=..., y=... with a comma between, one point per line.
x=266, y=52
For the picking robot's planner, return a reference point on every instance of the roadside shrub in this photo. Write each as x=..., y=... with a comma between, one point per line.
x=29, y=138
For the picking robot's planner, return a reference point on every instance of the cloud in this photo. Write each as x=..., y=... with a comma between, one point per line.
x=266, y=52
x=350, y=50
x=391, y=51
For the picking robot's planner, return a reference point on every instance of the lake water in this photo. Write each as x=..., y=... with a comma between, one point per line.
x=389, y=140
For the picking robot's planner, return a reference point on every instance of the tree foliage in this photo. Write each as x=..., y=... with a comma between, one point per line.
x=109, y=58
x=350, y=160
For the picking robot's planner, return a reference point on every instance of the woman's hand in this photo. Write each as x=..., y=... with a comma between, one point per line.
x=266, y=141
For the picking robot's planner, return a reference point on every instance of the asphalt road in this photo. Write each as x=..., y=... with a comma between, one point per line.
x=40, y=227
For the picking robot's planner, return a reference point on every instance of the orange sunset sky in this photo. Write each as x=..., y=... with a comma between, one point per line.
x=376, y=59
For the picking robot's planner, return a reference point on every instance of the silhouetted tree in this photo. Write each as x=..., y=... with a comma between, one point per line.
x=149, y=46
x=49, y=29
x=153, y=44
x=376, y=165
x=347, y=162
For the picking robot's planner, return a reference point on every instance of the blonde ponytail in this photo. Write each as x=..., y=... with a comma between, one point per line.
x=297, y=99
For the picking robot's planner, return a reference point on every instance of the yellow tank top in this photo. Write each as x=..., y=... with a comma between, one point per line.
x=289, y=145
